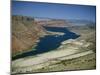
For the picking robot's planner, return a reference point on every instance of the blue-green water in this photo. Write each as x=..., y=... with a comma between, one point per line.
x=50, y=42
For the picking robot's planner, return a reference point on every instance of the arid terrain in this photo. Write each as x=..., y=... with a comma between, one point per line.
x=25, y=33
x=72, y=54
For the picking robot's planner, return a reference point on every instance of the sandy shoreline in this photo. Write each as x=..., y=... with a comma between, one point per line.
x=43, y=57
x=22, y=62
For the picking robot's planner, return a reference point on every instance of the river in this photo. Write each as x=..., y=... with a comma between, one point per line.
x=50, y=42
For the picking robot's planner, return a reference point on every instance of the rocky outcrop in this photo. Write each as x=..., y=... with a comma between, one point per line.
x=25, y=33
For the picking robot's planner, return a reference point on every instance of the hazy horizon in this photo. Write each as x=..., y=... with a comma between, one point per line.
x=54, y=10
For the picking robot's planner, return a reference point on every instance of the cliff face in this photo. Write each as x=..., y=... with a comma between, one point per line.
x=25, y=33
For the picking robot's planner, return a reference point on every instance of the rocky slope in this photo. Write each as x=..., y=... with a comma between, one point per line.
x=25, y=33
x=77, y=54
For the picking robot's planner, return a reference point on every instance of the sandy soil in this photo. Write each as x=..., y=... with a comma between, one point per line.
x=43, y=57
x=59, y=54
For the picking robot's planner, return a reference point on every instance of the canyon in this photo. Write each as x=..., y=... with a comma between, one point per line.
x=25, y=33
x=76, y=45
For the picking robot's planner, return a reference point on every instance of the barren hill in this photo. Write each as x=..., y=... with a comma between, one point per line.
x=25, y=33
x=54, y=23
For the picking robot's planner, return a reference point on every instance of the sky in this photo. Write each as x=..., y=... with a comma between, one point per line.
x=54, y=10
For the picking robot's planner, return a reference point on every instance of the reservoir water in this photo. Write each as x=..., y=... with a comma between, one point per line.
x=50, y=42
